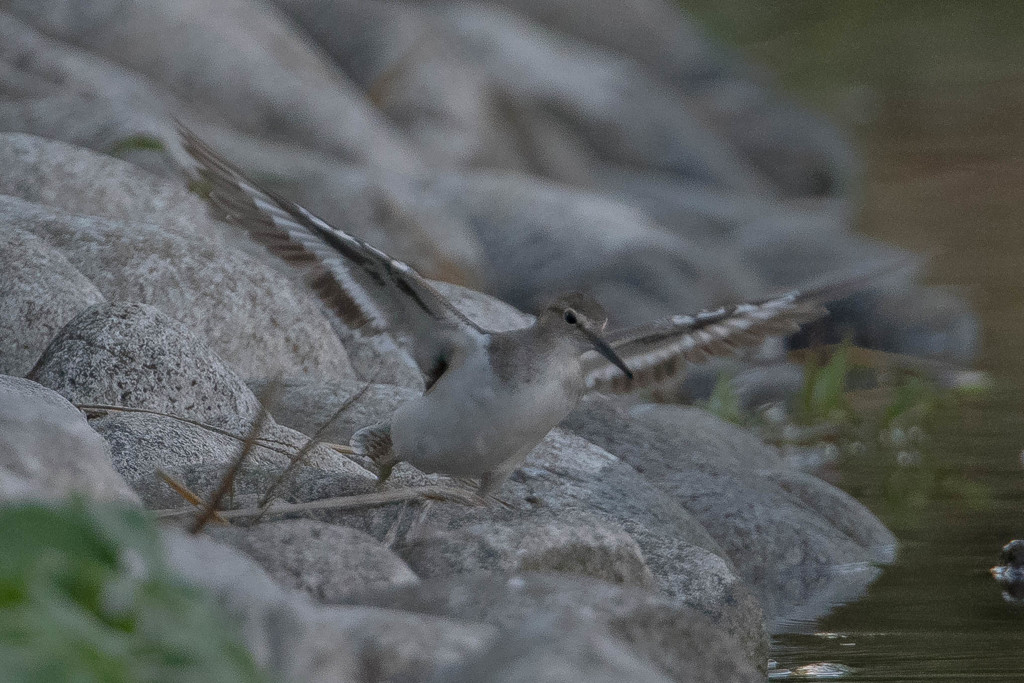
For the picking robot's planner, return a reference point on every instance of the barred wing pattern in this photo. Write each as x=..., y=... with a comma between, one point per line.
x=657, y=350
x=365, y=287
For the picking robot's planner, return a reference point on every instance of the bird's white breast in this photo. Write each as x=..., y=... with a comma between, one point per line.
x=472, y=420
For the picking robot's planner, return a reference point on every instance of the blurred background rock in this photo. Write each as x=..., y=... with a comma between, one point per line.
x=522, y=147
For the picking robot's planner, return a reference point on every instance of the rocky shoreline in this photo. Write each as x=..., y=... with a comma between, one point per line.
x=630, y=532
x=524, y=147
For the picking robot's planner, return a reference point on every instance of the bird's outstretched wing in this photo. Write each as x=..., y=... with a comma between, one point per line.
x=658, y=350
x=365, y=287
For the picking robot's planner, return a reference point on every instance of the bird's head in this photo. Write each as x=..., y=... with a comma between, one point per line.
x=582, y=318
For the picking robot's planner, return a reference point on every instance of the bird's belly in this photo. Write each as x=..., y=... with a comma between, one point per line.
x=466, y=431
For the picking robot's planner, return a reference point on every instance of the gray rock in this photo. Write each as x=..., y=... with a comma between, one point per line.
x=921, y=321
x=799, y=152
x=576, y=483
x=806, y=544
x=307, y=405
x=655, y=32
x=293, y=639
x=332, y=563
x=413, y=73
x=578, y=546
x=394, y=645
x=80, y=181
x=48, y=450
x=894, y=314
x=710, y=216
x=766, y=383
x=41, y=293
x=596, y=91
x=684, y=644
x=556, y=652
x=255, y=318
x=539, y=239
x=239, y=51
x=55, y=90
x=133, y=355
x=199, y=458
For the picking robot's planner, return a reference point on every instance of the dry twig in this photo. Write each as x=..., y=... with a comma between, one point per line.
x=451, y=495
x=97, y=409
x=228, y=481
x=183, y=491
x=313, y=441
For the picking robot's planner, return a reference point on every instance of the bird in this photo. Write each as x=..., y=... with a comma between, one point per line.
x=490, y=396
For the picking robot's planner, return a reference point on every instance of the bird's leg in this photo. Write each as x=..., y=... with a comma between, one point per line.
x=491, y=482
x=490, y=485
x=384, y=472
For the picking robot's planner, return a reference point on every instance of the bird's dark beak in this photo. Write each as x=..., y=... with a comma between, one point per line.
x=607, y=351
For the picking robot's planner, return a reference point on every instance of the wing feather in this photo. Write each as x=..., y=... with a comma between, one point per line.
x=365, y=287
x=657, y=350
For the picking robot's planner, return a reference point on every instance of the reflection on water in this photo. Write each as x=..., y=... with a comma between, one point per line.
x=934, y=93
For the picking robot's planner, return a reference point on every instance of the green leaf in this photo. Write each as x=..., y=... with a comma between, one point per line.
x=724, y=402
x=74, y=608
x=136, y=142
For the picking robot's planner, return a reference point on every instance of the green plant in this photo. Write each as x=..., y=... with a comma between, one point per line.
x=136, y=142
x=85, y=596
x=724, y=402
x=822, y=398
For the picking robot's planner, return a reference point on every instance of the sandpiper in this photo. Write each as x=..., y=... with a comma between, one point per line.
x=490, y=397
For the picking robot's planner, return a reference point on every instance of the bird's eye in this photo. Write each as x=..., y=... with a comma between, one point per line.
x=570, y=316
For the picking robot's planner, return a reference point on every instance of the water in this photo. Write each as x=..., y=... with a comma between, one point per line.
x=933, y=93
x=936, y=614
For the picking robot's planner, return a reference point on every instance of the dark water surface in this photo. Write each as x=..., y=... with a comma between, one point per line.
x=936, y=614
x=933, y=93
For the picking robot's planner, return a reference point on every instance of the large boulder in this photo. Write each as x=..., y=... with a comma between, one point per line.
x=540, y=239
x=606, y=92
x=292, y=638
x=238, y=51
x=169, y=401
x=410, y=69
x=684, y=644
x=42, y=292
x=199, y=456
x=815, y=544
x=56, y=90
x=578, y=546
x=332, y=563
x=553, y=652
x=134, y=356
x=170, y=254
